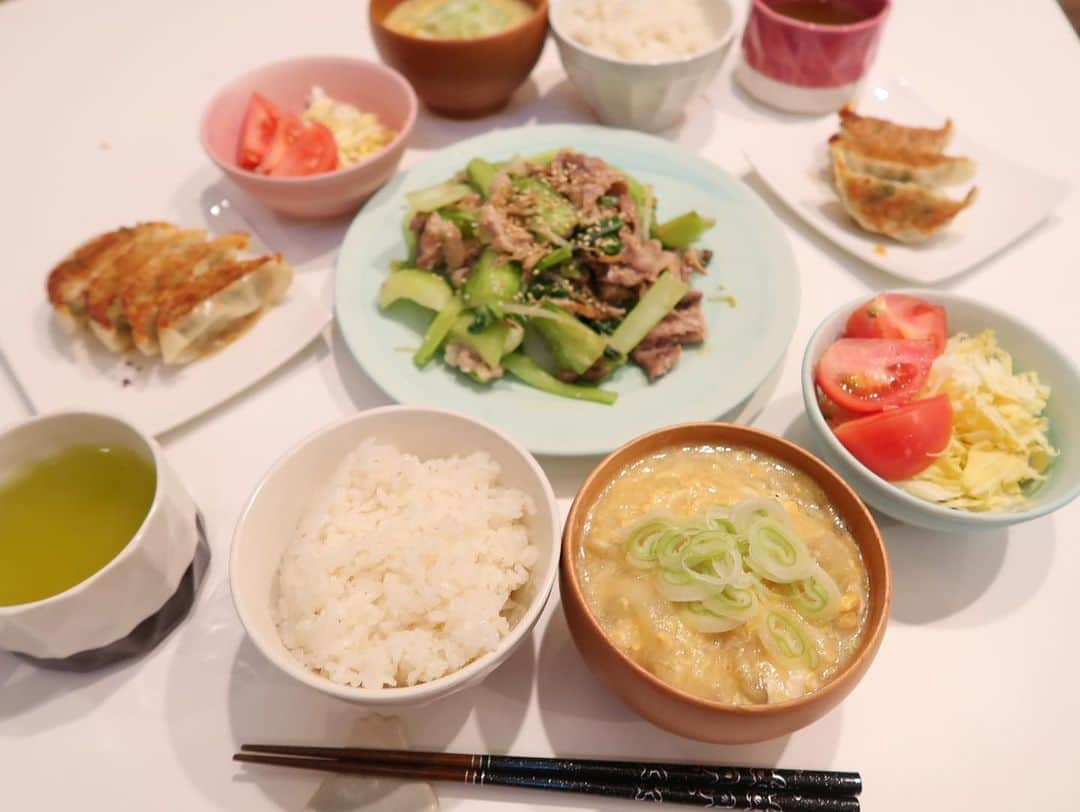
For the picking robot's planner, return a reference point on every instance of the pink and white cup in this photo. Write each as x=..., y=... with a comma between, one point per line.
x=806, y=67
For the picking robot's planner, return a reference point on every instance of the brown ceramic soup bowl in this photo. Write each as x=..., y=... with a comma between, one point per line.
x=681, y=712
x=463, y=78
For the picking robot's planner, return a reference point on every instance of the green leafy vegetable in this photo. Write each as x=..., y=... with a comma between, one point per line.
x=575, y=346
x=655, y=303
x=465, y=220
x=423, y=287
x=644, y=202
x=543, y=158
x=480, y=174
x=492, y=281
x=683, y=231
x=528, y=371
x=437, y=196
x=437, y=331
x=491, y=342
x=564, y=253
x=557, y=215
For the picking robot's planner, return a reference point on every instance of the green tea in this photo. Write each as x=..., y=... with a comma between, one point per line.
x=66, y=516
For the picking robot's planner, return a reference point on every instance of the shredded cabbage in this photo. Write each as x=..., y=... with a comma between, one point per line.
x=999, y=447
x=358, y=134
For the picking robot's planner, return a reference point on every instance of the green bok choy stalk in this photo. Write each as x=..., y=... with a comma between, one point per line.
x=491, y=281
x=528, y=371
x=423, y=287
x=683, y=231
x=655, y=303
x=438, y=330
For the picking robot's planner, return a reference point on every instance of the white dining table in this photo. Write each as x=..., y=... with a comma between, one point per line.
x=972, y=702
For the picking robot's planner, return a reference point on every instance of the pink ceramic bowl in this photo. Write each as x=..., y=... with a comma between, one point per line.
x=368, y=85
x=804, y=67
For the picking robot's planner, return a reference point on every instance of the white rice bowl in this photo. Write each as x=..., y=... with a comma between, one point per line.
x=405, y=570
x=642, y=30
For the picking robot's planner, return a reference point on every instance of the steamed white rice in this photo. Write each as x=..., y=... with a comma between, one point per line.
x=404, y=571
x=641, y=30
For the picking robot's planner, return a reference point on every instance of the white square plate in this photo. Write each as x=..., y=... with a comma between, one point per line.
x=61, y=371
x=1012, y=199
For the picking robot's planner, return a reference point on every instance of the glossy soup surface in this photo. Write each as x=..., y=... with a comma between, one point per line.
x=731, y=667
x=456, y=19
x=823, y=12
x=65, y=517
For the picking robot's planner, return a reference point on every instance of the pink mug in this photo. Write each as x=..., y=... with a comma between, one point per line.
x=805, y=67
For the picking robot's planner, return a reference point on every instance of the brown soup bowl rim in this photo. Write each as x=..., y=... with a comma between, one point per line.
x=734, y=435
x=540, y=7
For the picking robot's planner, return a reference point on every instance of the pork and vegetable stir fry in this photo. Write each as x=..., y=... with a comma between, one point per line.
x=562, y=246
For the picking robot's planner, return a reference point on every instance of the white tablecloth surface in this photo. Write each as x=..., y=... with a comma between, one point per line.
x=972, y=702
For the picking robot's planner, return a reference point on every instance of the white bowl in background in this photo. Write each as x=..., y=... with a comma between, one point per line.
x=302, y=475
x=1030, y=351
x=109, y=604
x=647, y=96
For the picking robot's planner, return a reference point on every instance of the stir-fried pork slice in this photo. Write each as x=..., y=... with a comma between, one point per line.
x=590, y=308
x=685, y=324
x=657, y=360
x=624, y=277
x=469, y=361
x=660, y=350
x=510, y=238
x=440, y=241
x=583, y=179
x=500, y=186
x=612, y=293
x=647, y=257
x=694, y=260
x=597, y=372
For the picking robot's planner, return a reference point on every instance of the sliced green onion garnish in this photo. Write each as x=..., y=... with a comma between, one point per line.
x=678, y=588
x=776, y=553
x=641, y=541
x=816, y=598
x=732, y=602
x=697, y=617
x=747, y=512
x=743, y=564
x=719, y=518
x=786, y=638
x=670, y=547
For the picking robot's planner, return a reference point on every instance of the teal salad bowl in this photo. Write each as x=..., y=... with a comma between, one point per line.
x=1030, y=351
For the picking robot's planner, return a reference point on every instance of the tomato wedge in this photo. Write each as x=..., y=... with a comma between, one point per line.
x=834, y=415
x=288, y=131
x=901, y=442
x=871, y=374
x=897, y=315
x=313, y=151
x=257, y=131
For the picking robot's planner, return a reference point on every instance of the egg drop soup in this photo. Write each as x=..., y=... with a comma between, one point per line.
x=725, y=573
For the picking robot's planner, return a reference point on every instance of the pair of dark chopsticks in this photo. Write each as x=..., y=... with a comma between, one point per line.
x=691, y=784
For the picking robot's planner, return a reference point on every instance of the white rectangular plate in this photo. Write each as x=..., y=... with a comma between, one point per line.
x=1012, y=199
x=61, y=371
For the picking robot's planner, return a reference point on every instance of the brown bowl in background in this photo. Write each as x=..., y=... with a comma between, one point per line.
x=463, y=78
x=684, y=713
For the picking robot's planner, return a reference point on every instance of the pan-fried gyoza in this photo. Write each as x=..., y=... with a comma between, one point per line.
x=887, y=175
x=165, y=291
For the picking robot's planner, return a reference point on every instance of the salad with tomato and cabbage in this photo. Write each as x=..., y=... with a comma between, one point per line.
x=947, y=419
x=328, y=135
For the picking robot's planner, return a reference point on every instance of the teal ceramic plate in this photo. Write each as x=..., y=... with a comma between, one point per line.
x=752, y=262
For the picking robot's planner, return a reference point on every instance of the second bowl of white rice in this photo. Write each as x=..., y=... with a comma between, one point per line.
x=397, y=556
x=639, y=63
